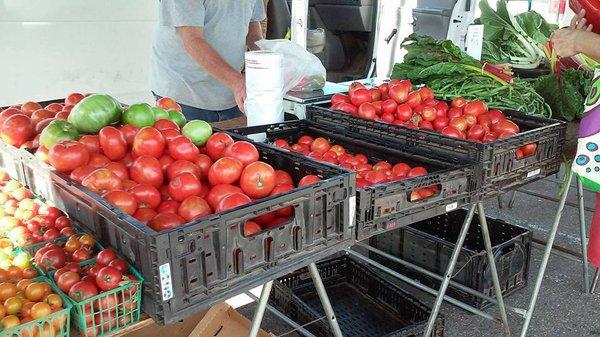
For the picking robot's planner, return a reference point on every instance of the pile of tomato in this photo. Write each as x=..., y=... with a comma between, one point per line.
x=396, y=102
x=55, y=255
x=28, y=300
x=21, y=125
x=160, y=177
x=26, y=221
x=367, y=174
x=108, y=309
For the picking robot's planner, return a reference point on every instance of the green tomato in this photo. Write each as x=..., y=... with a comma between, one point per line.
x=139, y=115
x=95, y=112
x=160, y=113
x=198, y=131
x=57, y=131
x=177, y=117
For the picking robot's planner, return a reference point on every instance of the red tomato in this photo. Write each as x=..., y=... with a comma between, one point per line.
x=66, y=280
x=113, y=143
x=400, y=169
x=218, y=192
x=146, y=195
x=98, y=160
x=251, y=228
x=459, y=123
x=193, y=207
x=216, y=144
x=106, y=255
x=102, y=181
x=414, y=99
x=451, y=131
x=257, y=180
x=16, y=130
x=382, y=165
x=404, y=112
x=306, y=140
x=148, y=142
x=337, y=98
x=440, y=123
x=147, y=170
x=144, y=215
x=476, y=132
x=54, y=258
x=169, y=206
x=181, y=148
x=82, y=290
x=232, y=201
x=441, y=109
x=475, y=108
x=337, y=149
x=108, y=278
x=119, y=265
x=129, y=131
x=164, y=124
x=242, y=151
x=225, y=171
x=170, y=134
x=367, y=111
x=68, y=155
x=118, y=169
x=165, y=221
x=506, y=126
x=377, y=106
x=471, y=120
x=425, y=93
x=165, y=161
x=496, y=116
x=416, y=172
x=360, y=96
x=129, y=184
x=91, y=142
x=54, y=107
x=384, y=89
x=454, y=113
x=389, y=106
x=308, y=179
x=184, y=185
x=181, y=166
x=73, y=98
x=361, y=158
x=80, y=255
x=484, y=120
x=124, y=201
x=282, y=143
x=529, y=149
x=429, y=113
x=204, y=163
x=29, y=107
x=41, y=114
x=346, y=107
x=398, y=93
x=375, y=94
x=285, y=211
x=283, y=178
x=320, y=145
x=64, y=115
x=458, y=102
x=355, y=86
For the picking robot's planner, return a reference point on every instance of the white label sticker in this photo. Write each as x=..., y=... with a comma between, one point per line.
x=452, y=206
x=474, y=41
x=534, y=173
x=352, y=212
x=165, y=281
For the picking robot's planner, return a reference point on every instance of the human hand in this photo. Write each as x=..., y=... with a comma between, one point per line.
x=239, y=92
x=564, y=41
x=580, y=22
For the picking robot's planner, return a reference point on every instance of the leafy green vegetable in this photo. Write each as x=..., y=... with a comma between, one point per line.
x=452, y=73
x=517, y=40
x=567, y=96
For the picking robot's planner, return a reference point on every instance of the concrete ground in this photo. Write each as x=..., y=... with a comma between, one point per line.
x=562, y=310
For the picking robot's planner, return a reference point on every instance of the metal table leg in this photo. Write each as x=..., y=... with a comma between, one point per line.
x=314, y=273
x=301, y=330
x=452, y=263
x=513, y=196
x=545, y=258
x=583, y=233
x=595, y=282
x=491, y=260
x=260, y=308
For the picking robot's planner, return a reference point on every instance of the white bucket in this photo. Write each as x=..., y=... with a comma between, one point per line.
x=264, y=89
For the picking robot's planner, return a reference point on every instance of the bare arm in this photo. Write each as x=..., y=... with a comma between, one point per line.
x=209, y=59
x=254, y=34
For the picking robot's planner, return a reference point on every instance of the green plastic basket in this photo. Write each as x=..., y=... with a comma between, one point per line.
x=40, y=327
x=87, y=312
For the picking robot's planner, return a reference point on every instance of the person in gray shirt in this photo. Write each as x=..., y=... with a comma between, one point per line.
x=198, y=54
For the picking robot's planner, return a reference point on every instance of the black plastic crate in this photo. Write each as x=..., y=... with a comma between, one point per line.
x=499, y=169
x=365, y=303
x=384, y=207
x=194, y=266
x=429, y=245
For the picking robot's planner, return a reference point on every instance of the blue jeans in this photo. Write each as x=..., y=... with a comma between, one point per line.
x=210, y=116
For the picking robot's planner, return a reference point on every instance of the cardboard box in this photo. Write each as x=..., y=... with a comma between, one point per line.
x=219, y=321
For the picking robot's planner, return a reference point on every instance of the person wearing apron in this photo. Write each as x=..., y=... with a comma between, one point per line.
x=579, y=38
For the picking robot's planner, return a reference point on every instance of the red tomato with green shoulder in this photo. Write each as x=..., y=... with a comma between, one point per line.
x=113, y=143
x=82, y=290
x=68, y=155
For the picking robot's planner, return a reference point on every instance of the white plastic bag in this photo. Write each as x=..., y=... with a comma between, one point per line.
x=302, y=71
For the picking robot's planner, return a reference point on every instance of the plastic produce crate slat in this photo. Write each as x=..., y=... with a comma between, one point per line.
x=499, y=169
x=365, y=304
x=429, y=244
x=211, y=260
x=387, y=206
